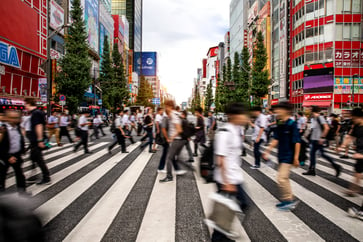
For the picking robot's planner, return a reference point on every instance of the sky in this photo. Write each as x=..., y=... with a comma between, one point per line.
x=182, y=31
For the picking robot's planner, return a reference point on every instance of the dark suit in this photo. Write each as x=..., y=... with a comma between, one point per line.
x=4, y=161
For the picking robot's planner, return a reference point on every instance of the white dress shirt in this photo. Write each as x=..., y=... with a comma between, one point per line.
x=64, y=121
x=83, y=120
x=14, y=139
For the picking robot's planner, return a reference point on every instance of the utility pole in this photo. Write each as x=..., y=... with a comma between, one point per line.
x=49, y=62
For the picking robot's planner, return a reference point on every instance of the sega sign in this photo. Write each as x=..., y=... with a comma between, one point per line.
x=9, y=55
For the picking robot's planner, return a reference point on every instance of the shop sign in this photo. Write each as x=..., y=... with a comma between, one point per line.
x=9, y=55
x=318, y=97
x=274, y=101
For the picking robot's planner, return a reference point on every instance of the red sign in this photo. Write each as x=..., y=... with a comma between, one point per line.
x=245, y=38
x=213, y=52
x=318, y=97
x=204, y=68
x=274, y=101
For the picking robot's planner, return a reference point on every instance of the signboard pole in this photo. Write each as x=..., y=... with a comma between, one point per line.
x=49, y=63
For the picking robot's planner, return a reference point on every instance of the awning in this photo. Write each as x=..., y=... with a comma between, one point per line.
x=317, y=103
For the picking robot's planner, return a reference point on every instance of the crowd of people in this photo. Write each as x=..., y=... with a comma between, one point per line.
x=173, y=130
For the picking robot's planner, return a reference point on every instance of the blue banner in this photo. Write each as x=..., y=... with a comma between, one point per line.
x=145, y=63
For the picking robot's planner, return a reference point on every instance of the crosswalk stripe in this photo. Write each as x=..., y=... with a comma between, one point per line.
x=325, y=208
x=290, y=226
x=101, y=215
x=156, y=226
x=55, y=205
x=12, y=180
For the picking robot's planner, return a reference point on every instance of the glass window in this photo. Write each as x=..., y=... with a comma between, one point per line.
x=347, y=4
x=309, y=57
x=339, y=32
x=346, y=31
x=309, y=8
x=309, y=32
x=330, y=7
x=329, y=54
x=356, y=6
x=355, y=31
x=321, y=4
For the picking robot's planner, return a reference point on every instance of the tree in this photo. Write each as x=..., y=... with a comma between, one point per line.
x=74, y=78
x=236, y=80
x=209, y=96
x=245, y=82
x=106, y=74
x=260, y=80
x=196, y=102
x=145, y=93
x=119, y=75
x=228, y=78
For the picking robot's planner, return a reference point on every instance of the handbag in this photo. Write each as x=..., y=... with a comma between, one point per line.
x=159, y=139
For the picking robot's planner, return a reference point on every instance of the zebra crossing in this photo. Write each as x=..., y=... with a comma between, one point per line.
x=118, y=197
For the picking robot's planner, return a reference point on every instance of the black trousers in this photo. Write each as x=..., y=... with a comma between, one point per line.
x=36, y=156
x=120, y=139
x=20, y=178
x=64, y=132
x=83, y=141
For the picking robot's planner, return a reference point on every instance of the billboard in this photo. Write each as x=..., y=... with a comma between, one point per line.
x=213, y=52
x=319, y=84
x=42, y=87
x=126, y=30
x=92, y=23
x=283, y=47
x=56, y=16
x=145, y=63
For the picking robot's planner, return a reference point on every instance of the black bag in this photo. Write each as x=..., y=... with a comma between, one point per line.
x=207, y=164
x=159, y=139
x=188, y=129
x=113, y=127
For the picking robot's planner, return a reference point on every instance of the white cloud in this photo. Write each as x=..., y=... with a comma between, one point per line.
x=182, y=31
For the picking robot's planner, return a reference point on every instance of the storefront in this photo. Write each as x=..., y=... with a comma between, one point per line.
x=322, y=100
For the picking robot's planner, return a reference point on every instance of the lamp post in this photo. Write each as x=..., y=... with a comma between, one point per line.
x=49, y=62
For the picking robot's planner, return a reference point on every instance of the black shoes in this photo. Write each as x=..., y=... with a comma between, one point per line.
x=338, y=169
x=195, y=155
x=310, y=172
x=152, y=151
x=344, y=157
x=125, y=152
x=44, y=181
x=109, y=151
x=88, y=152
x=166, y=179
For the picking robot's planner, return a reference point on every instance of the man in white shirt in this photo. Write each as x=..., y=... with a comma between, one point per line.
x=64, y=123
x=53, y=127
x=228, y=173
x=83, y=124
x=259, y=135
x=97, y=122
x=139, y=119
x=126, y=125
x=120, y=134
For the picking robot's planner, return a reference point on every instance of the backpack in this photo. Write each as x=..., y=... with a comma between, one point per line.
x=207, y=165
x=188, y=129
x=113, y=127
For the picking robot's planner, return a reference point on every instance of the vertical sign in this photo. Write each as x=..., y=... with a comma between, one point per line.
x=42, y=82
x=283, y=48
x=92, y=24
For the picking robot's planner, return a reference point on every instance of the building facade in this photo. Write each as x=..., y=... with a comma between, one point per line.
x=238, y=21
x=326, y=54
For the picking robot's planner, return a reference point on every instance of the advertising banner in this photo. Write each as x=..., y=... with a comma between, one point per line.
x=283, y=48
x=344, y=85
x=146, y=63
x=252, y=13
x=92, y=24
x=42, y=87
x=318, y=84
x=56, y=16
x=102, y=39
x=126, y=29
x=318, y=97
x=213, y=52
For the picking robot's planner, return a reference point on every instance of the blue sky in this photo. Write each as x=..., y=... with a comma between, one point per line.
x=182, y=31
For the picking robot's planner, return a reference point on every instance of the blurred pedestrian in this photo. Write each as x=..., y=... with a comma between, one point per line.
x=53, y=127
x=199, y=131
x=148, y=126
x=83, y=125
x=259, y=135
x=119, y=132
x=64, y=125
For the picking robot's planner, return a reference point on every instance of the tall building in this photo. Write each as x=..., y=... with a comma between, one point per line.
x=238, y=20
x=326, y=53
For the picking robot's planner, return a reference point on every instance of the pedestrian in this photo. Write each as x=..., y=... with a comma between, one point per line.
x=148, y=126
x=188, y=131
x=64, y=124
x=158, y=121
x=228, y=173
x=212, y=125
x=287, y=139
x=97, y=123
x=346, y=127
x=133, y=122
x=333, y=134
x=26, y=128
x=272, y=124
x=319, y=131
x=199, y=131
x=12, y=147
x=37, y=137
x=357, y=137
x=120, y=134
x=355, y=213
x=83, y=126
x=174, y=139
x=126, y=126
x=302, y=127
x=101, y=122
x=53, y=127
x=139, y=118
x=259, y=135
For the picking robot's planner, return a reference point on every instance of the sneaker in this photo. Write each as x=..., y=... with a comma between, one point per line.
x=282, y=204
x=191, y=160
x=355, y=213
x=125, y=152
x=180, y=172
x=338, y=170
x=44, y=182
x=255, y=167
x=195, y=155
x=88, y=152
x=166, y=179
x=32, y=179
x=152, y=151
x=162, y=171
x=289, y=205
x=344, y=157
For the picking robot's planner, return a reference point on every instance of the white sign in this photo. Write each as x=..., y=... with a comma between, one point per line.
x=62, y=103
x=56, y=16
x=2, y=70
x=55, y=54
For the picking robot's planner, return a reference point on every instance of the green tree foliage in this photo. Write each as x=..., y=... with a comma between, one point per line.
x=74, y=78
x=228, y=78
x=196, y=102
x=236, y=92
x=209, y=97
x=145, y=93
x=119, y=75
x=245, y=83
x=260, y=80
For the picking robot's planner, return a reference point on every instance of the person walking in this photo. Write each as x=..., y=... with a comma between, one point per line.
x=64, y=124
x=287, y=138
x=37, y=136
x=12, y=147
x=174, y=139
x=319, y=131
x=97, y=125
x=333, y=134
x=228, y=173
x=259, y=135
x=302, y=126
x=53, y=127
x=139, y=118
x=212, y=125
x=188, y=131
x=148, y=125
x=120, y=134
x=83, y=125
x=199, y=131
x=126, y=126
x=26, y=128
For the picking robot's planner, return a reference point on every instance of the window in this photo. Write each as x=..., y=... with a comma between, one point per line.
x=339, y=32
x=309, y=8
x=355, y=31
x=330, y=7
x=346, y=31
x=356, y=6
x=309, y=32
x=329, y=54
x=347, y=4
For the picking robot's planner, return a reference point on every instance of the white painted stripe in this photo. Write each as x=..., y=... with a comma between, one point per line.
x=205, y=190
x=95, y=224
x=55, y=205
x=320, y=205
x=288, y=224
x=57, y=177
x=11, y=181
x=159, y=218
